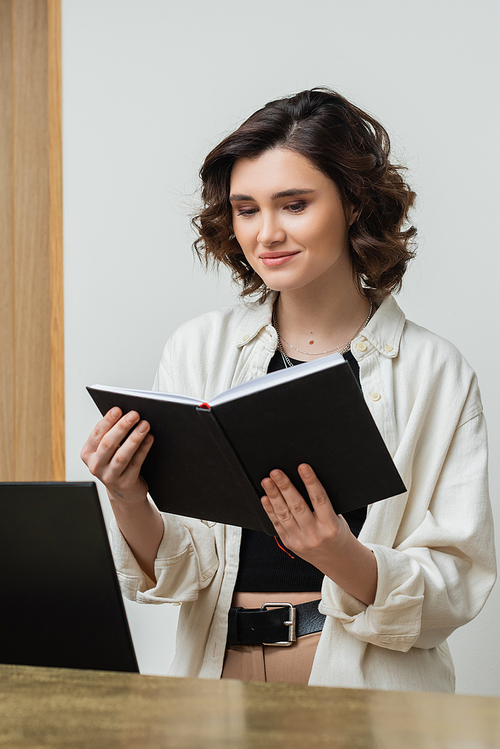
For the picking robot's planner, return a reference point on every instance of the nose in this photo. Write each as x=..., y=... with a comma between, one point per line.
x=270, y=231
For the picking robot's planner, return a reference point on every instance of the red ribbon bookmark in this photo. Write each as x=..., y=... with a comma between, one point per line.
x=205, y=406
x=283, y=548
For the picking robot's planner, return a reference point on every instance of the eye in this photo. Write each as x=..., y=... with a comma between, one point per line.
x=246, y=211
x=296, y=207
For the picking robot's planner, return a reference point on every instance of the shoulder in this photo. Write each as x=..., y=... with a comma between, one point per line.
x=431, y=344
x=433, y=352
x=425, y=367
x=437, y=367
x=200, y=353
x=392, y=333
x=227, y=325
x=211, y=322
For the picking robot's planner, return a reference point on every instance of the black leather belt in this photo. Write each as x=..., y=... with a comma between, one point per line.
x=273, y=624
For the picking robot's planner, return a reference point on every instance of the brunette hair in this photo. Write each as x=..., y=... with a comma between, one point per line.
x=349, y=147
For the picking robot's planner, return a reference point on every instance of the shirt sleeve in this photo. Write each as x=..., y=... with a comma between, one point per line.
x=187, y=557
x=439, y=577
x=185, y=564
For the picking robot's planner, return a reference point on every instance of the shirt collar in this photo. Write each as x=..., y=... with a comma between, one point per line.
x=258, y=315
x=383, y=331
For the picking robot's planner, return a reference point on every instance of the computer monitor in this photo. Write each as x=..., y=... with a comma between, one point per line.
x=60, y=600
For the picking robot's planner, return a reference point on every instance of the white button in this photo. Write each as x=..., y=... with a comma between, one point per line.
x=388, y=348
x=376, y=396
x=362, y=346
x=245, y=337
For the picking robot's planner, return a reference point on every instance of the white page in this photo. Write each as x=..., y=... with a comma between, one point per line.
x=276, y=378
x=246, y=388
x=156, y=394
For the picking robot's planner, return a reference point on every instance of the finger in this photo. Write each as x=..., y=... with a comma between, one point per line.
x=114, y=437
x=268, y=507
x=114, y=452
x=139, y=456
x=287, y=502
x=275, y=505
x=133, y=469
x=101, y=428
x=285, y=533
x=317, y=494
x=294, y=499
x=124, y=454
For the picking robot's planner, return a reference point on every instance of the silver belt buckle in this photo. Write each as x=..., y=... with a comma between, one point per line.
x=292, y=617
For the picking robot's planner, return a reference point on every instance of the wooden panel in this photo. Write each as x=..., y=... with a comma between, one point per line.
x=31, y=282
x=7, y=462
x=56, y=241
x=31, y=241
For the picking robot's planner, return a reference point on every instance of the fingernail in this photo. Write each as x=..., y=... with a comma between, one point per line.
x=115, y=412
x=276, y=474
x=132, y=416
x=305, y=470
x=143, y=427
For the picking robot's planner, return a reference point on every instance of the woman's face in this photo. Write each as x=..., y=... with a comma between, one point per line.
x=289, y=220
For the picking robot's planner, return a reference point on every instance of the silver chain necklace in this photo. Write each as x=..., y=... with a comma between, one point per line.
x=340, y=349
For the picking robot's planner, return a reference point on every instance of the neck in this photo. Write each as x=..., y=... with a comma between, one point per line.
x=320, y=319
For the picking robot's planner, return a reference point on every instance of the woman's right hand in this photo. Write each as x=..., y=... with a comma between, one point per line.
x=118, y=465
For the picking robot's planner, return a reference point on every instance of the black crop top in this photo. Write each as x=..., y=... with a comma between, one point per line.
x=266, y=567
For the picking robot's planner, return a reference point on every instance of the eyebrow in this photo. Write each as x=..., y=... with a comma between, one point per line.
x=282, y=194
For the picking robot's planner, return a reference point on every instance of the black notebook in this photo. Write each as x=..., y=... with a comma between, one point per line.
x=61, y=602
x=207, y=460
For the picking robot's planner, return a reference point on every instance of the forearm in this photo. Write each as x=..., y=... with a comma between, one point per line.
x=116, y=459
x=142, y=527
x=321, y=537
x=352, y=566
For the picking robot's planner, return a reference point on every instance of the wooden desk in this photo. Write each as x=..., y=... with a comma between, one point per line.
x=42, y=707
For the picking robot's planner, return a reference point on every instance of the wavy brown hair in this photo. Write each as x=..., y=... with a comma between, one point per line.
x=349, y=147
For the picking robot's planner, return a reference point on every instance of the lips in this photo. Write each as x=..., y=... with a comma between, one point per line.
x=277, y=258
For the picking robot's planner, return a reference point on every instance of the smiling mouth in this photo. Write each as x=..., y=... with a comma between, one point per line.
x=277, y=258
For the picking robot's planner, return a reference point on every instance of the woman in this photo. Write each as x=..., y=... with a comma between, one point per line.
x=304, y=205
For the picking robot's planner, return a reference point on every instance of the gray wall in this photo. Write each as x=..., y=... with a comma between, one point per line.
x=150, y=86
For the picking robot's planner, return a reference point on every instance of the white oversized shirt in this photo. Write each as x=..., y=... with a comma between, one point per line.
x=434, y=544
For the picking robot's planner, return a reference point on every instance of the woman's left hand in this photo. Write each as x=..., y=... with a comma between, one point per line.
x=313, y=535
x=320, y=536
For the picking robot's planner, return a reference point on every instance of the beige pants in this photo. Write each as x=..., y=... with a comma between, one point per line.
x=266, y=662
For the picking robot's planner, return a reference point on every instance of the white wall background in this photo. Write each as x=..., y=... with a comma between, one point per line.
x=149, y=87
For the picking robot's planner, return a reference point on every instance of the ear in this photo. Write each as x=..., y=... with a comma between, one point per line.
x=351, y=214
